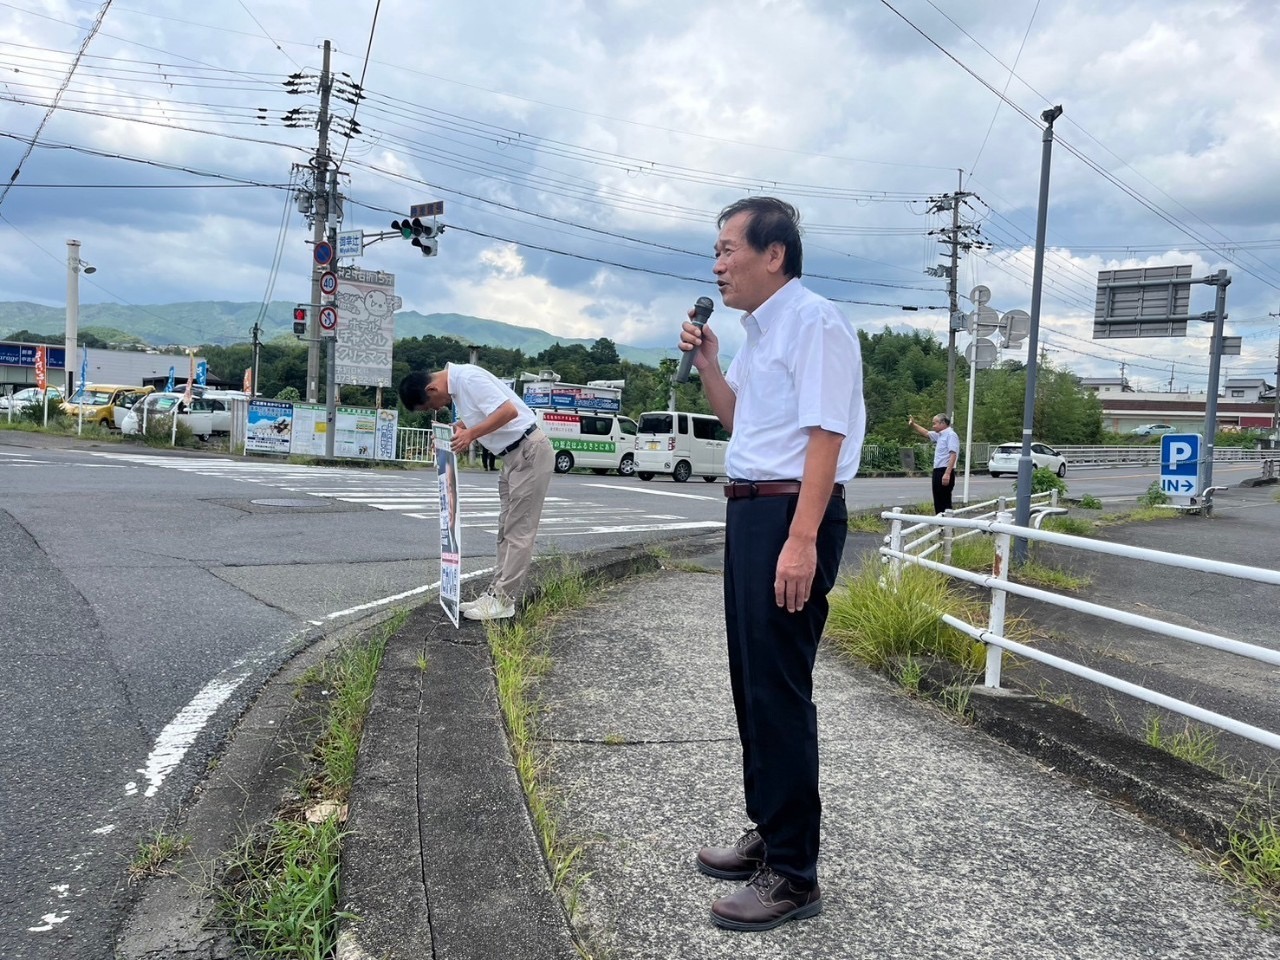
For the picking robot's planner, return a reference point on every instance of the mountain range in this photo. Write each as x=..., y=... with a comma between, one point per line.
x=222, y=323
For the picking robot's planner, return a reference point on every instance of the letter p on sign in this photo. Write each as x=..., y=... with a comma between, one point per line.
x=1179, y=451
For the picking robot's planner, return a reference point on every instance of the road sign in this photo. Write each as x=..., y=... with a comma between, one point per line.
x=1142, y=302
x=981, y=353
x=433, y=209
x=323, y=253
x=1180, y=464
x=328, y=317
x=328, y=283
x=351, y=243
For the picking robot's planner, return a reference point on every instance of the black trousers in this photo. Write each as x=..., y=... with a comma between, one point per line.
x=771, y=656
x=942, y=491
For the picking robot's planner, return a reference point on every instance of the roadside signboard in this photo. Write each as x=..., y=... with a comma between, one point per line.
x=1180, y=465
x=423, y=210
x=450, y=521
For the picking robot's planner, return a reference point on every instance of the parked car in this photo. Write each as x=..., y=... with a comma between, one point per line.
x=30, y=397
x=1152, y=430
x=198, y=417
x=1004, y=459
x=98, y=402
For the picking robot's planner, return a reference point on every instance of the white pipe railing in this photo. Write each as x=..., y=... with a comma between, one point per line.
x=896, y=555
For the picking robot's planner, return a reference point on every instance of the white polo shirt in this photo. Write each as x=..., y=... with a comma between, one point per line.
x=477, y=393
x=801, y=368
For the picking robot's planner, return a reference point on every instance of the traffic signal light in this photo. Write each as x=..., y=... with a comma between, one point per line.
x=299, y=321
x=423, y=233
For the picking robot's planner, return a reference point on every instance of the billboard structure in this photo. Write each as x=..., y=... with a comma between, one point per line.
x=366, y=328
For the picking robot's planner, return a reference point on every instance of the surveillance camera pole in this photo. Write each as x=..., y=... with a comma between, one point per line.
x=1023, y=514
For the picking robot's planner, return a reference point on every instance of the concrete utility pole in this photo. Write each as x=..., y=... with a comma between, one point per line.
x=257, y=352
x=1275, y=419
x=953, y=235
x=320, y=172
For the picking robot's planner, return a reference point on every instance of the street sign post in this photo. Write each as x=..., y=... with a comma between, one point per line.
x=328, y=318
x=1180, y=465
x=323, y=253
x=328, y=283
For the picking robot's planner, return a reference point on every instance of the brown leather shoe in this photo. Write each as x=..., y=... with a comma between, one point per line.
x=738, y=862
x=768, y=899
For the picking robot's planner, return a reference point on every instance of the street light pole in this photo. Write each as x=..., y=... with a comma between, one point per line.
x=74, y=266
x=1023, y=513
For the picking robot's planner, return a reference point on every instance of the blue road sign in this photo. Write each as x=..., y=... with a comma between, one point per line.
x=1180, y=464
x=323, y=253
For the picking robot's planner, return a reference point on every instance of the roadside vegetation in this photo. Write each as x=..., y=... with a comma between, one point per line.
x=154, y=852
x=278, y=889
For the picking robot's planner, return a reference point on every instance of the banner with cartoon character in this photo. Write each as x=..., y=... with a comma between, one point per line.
x=366, y=302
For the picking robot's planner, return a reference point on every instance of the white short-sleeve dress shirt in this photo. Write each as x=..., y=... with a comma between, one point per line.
x=477, y=393
x=800, y=368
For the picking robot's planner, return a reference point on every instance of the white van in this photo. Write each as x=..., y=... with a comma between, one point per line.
x=681, y=444
x=590, y=438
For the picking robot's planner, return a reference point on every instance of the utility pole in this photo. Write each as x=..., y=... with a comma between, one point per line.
x=320, y=172
x=257, y=352
x=1275, y=420
x=953, y=235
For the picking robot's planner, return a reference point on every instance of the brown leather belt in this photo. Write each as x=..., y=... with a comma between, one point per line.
x=739, y=489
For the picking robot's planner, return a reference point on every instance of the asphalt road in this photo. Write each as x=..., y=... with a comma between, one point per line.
x=148, y=596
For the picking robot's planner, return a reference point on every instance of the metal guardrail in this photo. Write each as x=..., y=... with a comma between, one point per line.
x=899, y=553
x=415, y=445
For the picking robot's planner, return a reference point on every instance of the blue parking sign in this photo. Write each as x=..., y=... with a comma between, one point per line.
x=1180, y=464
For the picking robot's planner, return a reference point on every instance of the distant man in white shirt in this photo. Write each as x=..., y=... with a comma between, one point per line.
x=792, y=399
x=946, y=452
x=490, y=413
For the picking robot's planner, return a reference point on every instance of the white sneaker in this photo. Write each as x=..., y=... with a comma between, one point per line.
x=490, y=607
x=466, y=605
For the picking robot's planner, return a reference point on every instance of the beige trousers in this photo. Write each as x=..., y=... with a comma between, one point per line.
x=522, y=489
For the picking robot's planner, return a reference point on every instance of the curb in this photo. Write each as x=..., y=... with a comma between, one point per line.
x=440, y=857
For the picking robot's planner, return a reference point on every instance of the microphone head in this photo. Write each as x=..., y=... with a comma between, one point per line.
x=703, y=307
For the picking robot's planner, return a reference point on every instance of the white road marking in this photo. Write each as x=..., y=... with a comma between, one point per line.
x=181, y=732
x=416, y=591
x=656, y=493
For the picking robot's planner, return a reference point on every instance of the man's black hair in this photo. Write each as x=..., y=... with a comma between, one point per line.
x=772, y=221
x=413, y=389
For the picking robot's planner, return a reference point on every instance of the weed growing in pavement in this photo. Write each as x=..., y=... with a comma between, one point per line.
x=279, y=888
x=154, y=852
x=1192, y=743
x=1051, y=578
x=1154, y=495
x=520, y=657
x=1253, y=862
x=1090, y=502
x=1143, y=514
x=977, y=552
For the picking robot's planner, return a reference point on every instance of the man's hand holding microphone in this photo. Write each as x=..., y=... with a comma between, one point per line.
x=700, y=346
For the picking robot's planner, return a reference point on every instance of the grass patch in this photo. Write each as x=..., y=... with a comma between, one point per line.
x=886, y=624
x=868, y=523
x=1141, y=514
x=278, y=889
x=154, y=852
x=520, y=650
x=1192, y=743
x=977, y=552
x=1253, y=862
x=1051, y=578
x=1072, y=526
x=1090, y=502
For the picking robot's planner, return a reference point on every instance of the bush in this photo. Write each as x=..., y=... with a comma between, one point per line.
x=1043, y=480
x=289, y=394
x=160, y=430
x=1090, y=502
x=1154, y=495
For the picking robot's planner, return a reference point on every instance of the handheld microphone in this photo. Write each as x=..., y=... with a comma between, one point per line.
x=701, y=311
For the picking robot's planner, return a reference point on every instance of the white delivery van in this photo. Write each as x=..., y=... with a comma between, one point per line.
x=590, y=438
x=681, y=444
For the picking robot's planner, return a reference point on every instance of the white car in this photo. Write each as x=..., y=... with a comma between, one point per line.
x=30, y=397
x=1004, y=459
x=199, y=419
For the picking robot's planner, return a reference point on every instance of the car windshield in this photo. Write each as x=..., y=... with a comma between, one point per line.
x=96, y=398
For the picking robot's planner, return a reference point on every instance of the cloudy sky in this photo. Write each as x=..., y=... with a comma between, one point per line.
x=583, y=149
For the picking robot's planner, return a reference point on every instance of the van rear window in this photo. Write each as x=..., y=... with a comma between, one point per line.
x=656, y=423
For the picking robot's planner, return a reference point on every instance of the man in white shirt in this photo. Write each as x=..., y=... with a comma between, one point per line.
x=946, y=452
x=490, y=413
x=792, y=399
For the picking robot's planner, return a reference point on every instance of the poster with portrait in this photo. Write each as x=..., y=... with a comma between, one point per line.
x=450, y=522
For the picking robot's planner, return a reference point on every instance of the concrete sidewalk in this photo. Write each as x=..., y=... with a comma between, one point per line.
x=938, y=841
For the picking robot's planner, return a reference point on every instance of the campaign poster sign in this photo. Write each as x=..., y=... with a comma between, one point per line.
x=270, y=427
x=450, y=522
